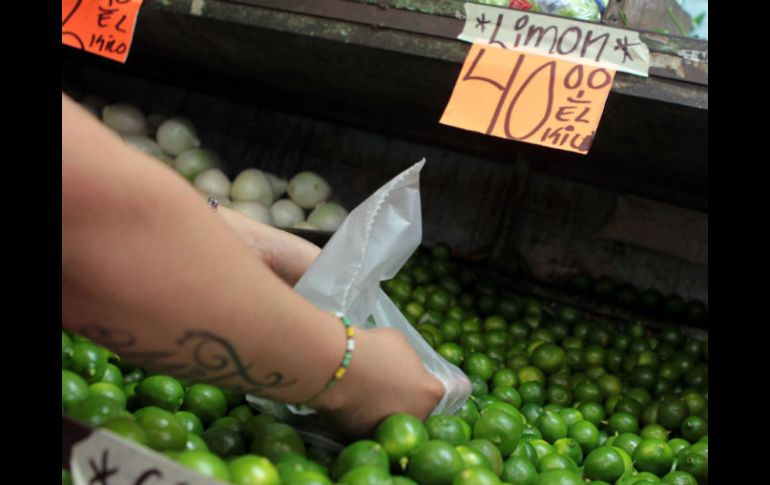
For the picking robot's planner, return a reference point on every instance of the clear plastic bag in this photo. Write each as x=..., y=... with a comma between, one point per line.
x=370, y=246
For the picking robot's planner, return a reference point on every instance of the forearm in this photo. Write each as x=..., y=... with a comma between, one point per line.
x=150, y=270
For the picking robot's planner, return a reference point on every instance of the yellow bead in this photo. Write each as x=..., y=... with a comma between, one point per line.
x=340, y=373
x=350, y=332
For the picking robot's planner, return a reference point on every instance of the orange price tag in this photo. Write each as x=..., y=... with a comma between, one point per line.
x=530, y=98
x=102, y=27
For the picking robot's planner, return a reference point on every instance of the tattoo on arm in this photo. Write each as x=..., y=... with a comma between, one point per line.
x=214, y=359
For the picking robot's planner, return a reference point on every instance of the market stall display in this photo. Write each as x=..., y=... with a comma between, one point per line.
x=557, y=394
x=576, y=379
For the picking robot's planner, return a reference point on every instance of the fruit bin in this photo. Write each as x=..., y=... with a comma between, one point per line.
x=353, y=90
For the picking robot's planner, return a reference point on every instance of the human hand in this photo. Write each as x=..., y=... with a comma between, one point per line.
x=287, y=255
x=385, y=376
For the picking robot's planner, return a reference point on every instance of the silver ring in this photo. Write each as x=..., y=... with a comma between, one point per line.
x=213, y=203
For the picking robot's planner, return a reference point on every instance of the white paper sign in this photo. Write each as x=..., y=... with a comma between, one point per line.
x=105, y=459
x=576, y=41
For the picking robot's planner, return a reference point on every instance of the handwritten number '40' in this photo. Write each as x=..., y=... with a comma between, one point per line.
x=548, y=69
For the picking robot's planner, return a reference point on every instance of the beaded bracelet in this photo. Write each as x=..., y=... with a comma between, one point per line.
x=350, y=345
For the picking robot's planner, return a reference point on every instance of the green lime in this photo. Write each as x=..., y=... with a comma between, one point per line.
x=493, y=323
x=206, y=464
x=592, y=412
x=472, y=325
x=480, y=365
x=164, y=431
x=571, y=415
x=89, y=360
x=532, y=392
x=413, y=311
x=627, y=442
x=73, y=388
x=224, y=442
x=654, y=431
x=654, y=456
x=623, y=423
x=542, y=448
x=160, y=391
x=472, y=342
x=609, y=384
x=366, y=475
x=678, y=444
x=227, y=422
x=570, y=448
x=113, y=375
x=628, y=405
x=205, y=401
x=360, y=453
x=505, y=377
x=639, y=394
x=531, y=374
x=433, y=330
x=563, y=378
x=559, y=477
x=452, y=330
x=490, y=451
x=678, y=478
x=401, y=434
x=695, y=401
x=594, y=356
x=530, y=433
x=190, y=422
x=508, y=395
x=476, y=476
x=253, y=470
x=195, y=443
x=435, y=463
x=241, y=412
x=694, y=463
x=254, y=425
x=519, y=470
x=672, y=413
x=532, y=411
x=585, y=434
x=525, y=450
x=588, y=392
x=694, y=428
x=127, y=428
x=478, y=386
x=110, y=391
x=452, y=352
x=468, y=412
x=555, y=461
x=552, y=426
x=472, y=457
x=508, y=409
x=276, y=440
x=499, y=427
x=452, y=429
x=559, y=395
x=604, y=463
x=95, y=410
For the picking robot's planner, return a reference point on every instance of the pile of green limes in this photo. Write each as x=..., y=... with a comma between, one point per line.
x=558, y=399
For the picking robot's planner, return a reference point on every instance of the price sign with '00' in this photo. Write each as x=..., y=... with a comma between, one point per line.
x=101, y=27
x=530, y=98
